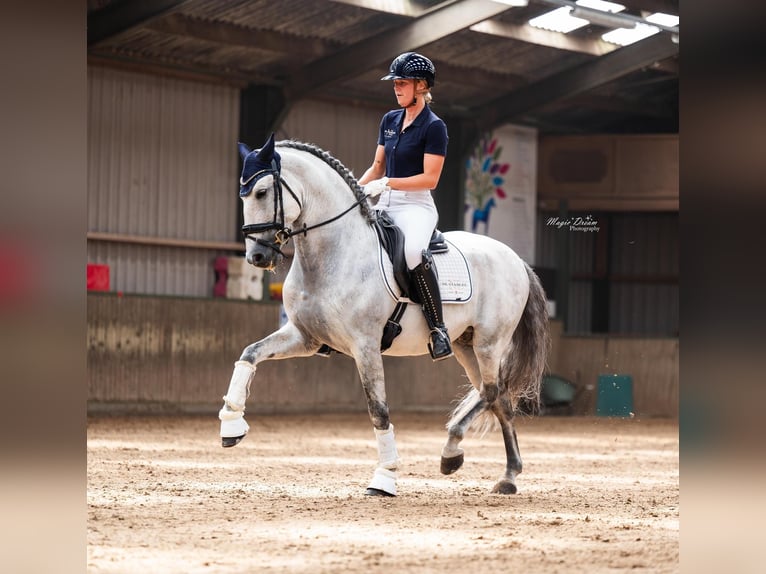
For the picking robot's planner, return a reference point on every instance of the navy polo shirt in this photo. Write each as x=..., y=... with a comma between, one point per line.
x=405, y=149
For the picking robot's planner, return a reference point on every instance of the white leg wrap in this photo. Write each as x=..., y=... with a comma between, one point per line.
x=233, y=412
x=239, y=387
x=384, y=480
x=388, y=457
x=232, y=426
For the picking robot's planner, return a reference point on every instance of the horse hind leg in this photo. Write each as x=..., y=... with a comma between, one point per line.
x=465, y=413
x=469, y=408
x=507, y=482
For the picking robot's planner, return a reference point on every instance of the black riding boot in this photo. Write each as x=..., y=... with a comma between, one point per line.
x=427, y=286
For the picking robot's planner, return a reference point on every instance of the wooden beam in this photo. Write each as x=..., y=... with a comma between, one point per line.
x=122, y=15
x=446, y=72
x=609, y=204
x=670, y=66
x=447, y=18
x=164, y=241
x=399, y=7
x=232, y=35
x=154, y=65
x=664, y=6
x=576, y=80
x=612, y=104
x=532, y=35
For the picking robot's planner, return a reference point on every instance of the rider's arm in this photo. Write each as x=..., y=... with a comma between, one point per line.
x=432, y=170
x=378, y=167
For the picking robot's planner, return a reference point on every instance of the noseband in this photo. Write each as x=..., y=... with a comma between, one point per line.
x=282, y=234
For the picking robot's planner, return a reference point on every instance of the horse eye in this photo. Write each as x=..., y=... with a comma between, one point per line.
x=260, y=193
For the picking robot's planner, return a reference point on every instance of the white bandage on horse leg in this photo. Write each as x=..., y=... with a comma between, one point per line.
x=388, y=457
x=239, y=387
x=384, y=480
x=233, y=423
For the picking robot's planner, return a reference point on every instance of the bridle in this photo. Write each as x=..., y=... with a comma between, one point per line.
x=282, y=233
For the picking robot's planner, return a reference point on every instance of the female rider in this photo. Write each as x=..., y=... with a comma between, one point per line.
x=412, y=145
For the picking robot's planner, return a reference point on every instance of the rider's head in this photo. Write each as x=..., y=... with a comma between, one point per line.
x=416, y=67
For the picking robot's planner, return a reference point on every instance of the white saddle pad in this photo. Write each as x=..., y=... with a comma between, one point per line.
x=455, y=282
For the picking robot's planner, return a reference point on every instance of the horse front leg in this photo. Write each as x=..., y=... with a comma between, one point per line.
x=287, y=342
x=370, y=367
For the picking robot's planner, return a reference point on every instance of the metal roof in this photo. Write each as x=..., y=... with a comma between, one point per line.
x=492, y=67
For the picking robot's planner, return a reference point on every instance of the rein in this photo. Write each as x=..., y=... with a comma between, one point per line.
x=283, y=233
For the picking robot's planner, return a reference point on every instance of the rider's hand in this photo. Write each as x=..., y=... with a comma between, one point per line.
x=376, y=187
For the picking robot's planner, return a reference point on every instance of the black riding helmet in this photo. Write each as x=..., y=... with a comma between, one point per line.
x=412, y=66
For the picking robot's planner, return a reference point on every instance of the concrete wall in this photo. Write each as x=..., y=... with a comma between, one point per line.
x=166, y=354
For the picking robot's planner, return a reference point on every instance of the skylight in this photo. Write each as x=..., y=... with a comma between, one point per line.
x=558, y=20
x=627, y=29
x=601, y=5
x=561, y=19
x=624, y=37
x=663, y=19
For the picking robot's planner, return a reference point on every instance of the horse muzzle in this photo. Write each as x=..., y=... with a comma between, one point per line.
x=263, y=254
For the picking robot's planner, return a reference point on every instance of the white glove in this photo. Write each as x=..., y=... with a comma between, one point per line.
x=376, y=187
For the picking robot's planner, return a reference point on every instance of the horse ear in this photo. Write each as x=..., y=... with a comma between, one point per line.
x=268, y=147
x=266, y=153
x=244, y=149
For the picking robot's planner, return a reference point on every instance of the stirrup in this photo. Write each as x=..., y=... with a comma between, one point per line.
x=445, y=342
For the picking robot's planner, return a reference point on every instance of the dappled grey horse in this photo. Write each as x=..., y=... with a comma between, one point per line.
x=335, y=295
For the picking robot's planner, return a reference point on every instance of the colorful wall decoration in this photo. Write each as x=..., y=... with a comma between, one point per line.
x=501, y=188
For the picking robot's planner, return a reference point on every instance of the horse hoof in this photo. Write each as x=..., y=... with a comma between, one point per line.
x=450, y=465
x=504, y=487
x=377, y=492
x=226, y=442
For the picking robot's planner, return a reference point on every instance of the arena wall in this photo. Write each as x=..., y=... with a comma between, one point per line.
x=173, y=354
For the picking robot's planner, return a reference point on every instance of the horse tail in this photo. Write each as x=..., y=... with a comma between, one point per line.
x=522, y=370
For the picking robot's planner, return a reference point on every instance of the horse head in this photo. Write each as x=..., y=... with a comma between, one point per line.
x=265, y=213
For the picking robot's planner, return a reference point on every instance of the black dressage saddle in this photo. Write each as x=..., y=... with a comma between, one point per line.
x=392, y=239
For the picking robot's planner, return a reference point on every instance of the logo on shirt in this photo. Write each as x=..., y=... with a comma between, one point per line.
x=389, y=133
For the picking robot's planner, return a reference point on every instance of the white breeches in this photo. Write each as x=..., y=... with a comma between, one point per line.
x=414, y=212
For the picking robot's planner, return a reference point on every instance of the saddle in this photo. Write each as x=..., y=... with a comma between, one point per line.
x=392, y=239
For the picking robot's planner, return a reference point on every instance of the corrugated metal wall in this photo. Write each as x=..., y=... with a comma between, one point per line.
x=162, y=162
x=580, y=262
x=349, y=133
x=642, y=246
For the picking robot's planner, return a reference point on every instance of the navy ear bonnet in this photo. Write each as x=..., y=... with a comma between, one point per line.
x=258, y=164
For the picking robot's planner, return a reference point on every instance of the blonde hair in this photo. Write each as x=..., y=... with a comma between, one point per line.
x=425, y=91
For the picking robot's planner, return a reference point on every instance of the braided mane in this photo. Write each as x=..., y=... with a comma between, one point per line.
x=339, y=168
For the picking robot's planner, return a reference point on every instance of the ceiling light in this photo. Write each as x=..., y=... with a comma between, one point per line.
x=513, y=2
